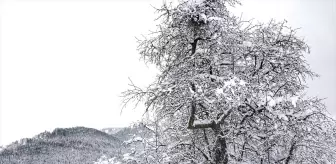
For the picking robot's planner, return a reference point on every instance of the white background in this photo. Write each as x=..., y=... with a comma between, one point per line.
x=65, y=63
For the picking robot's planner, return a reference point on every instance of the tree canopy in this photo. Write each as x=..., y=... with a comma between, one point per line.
x=230, y=91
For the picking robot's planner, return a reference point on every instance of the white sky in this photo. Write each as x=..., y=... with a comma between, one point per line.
x=65, y=63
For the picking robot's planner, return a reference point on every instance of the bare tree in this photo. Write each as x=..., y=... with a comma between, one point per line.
x=230, y=91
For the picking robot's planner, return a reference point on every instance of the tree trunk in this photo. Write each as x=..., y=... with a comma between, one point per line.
x=219, y=150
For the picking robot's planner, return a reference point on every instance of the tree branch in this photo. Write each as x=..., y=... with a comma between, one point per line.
x=223, y=117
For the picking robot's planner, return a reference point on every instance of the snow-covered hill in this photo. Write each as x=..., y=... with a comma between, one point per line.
x=78, y=145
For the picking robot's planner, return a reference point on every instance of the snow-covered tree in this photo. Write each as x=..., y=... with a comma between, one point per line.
x=230, y=91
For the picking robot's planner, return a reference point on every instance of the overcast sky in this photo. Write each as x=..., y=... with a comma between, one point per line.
x=64, y=63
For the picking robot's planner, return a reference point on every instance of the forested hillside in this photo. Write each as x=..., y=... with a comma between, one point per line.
x=77, y=145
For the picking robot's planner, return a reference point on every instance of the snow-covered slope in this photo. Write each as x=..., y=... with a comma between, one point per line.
x=77, y=145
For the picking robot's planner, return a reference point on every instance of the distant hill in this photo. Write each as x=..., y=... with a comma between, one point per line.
x=77, y=145
x=136, y=130
x=111, y=131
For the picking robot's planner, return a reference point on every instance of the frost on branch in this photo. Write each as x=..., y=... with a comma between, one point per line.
x=230, y=91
